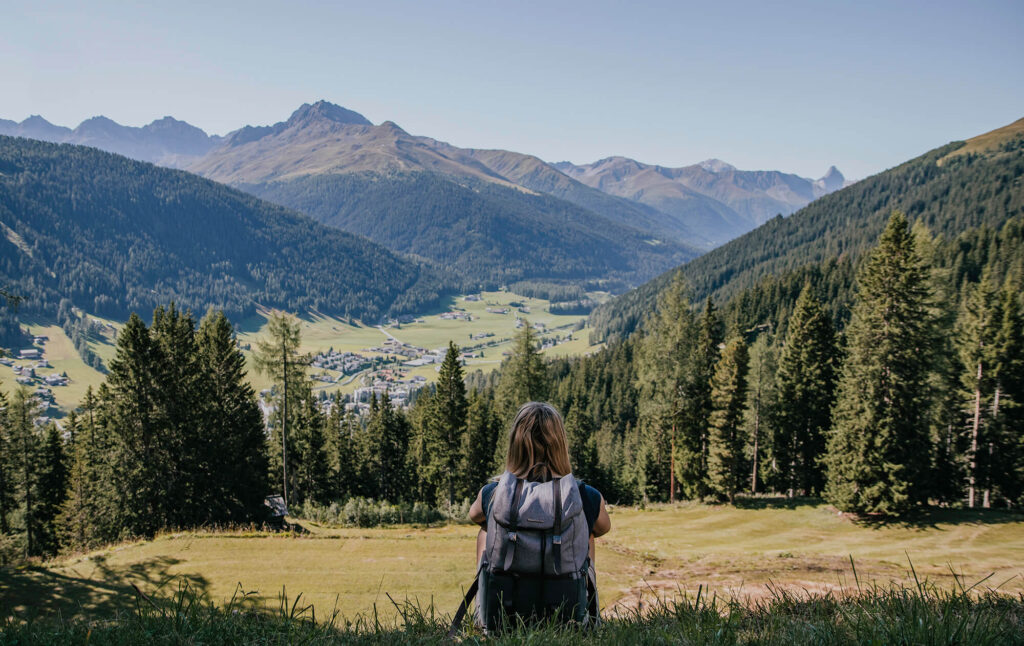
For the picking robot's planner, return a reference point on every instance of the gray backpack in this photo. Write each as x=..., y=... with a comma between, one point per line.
x=536, y=563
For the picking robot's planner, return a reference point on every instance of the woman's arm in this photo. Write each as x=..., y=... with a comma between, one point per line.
x=476, y=511
x=603, y=524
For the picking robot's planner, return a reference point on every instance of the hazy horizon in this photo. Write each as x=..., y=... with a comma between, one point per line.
x=795, y=88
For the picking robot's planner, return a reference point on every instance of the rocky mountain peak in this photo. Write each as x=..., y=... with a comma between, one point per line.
x=320, y=111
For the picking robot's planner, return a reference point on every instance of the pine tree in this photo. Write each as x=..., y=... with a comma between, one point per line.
x=662, y=385
x=310, y=471
x=132, y=405
x=977, y=329
x=7, y=502
x=234, y=446
x=340, y=449
x=579, y=429
x=726, y=439
x=878, y=449
x=482, y=428
x=523, y=379
x=806, y=388
x=1007, y=410
x=181, y=385
x=25, y=454
x=691, y=455
x=53, y=483
x=760, y=412
x=277, y=356
x=447, y=423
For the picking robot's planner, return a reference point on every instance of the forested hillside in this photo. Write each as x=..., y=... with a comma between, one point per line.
x=975, y=195
x=116, y=236
x=491, y=233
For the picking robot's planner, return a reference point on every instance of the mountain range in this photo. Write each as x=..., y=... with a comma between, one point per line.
x=967, y=195
x=692, y=208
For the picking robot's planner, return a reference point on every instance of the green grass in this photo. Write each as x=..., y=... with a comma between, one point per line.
x=912, y=613
x=665, y=551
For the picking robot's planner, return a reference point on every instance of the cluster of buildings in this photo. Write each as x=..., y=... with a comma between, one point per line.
x=399, y=387
x=25, y=374
x=456, y=315
x=346, y=363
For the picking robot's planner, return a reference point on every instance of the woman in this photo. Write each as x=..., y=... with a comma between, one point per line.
x=539, y=451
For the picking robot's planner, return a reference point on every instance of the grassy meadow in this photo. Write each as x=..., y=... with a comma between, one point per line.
x=320, y=332
x=737, y=553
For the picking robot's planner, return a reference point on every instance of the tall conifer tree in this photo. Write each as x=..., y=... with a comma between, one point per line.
x=726, y=440
x=447, y=422
x=878, y=449
x=806, y=388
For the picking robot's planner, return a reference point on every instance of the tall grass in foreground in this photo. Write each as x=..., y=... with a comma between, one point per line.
x=897, y=614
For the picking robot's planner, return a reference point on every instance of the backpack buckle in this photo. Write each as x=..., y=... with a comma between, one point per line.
x=557, y=539
x=512, y=536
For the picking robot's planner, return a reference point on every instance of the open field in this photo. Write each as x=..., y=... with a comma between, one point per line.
x=320, y=332
x=735, y=552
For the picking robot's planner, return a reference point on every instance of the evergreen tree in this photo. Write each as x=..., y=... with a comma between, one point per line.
x=482, y=427
x=806, y=387
x=447, y=423
x=53, y=483
x=310, y=475
x=523, y=379
x=24, y=460
x=277, y=356
x=726, y=440
x=978, y=327
x=234, y=441
x=691, y=456
x=878, y=449
x=662, y=384
x=139, y=450
x=7, y=498
x=579, y=429
x=181, y=386
x=340, y=449
x=1007, y=411
x=760, y=413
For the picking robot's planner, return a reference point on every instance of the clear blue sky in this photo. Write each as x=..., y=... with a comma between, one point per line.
x=793, y=86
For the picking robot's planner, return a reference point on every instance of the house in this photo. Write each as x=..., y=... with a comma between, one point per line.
x=472, y=298
x=24, y=381
x=30, y=353
x=55, y=380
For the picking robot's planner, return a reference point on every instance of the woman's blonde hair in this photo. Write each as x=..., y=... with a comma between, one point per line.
x=537, y=445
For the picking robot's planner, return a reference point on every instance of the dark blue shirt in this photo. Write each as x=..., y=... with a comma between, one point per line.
x=591, y=501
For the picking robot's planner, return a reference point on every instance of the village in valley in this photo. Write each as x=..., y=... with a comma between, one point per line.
x=32, y=370
x=402, y=362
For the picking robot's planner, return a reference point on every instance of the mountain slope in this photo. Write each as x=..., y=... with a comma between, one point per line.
x=487, y=233
x=718, y=199
x=167, y=141
x=115, y=235
x=963, y=193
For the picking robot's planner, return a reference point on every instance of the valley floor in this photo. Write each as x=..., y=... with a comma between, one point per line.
x=664, y=551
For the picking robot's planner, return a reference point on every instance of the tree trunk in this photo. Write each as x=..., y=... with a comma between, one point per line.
x=972, y=475
x=672, y=468
x=284, y=425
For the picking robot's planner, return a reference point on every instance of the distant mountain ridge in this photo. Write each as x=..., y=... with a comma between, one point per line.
x=166, y=142
x=701, y=206
x=724, y=200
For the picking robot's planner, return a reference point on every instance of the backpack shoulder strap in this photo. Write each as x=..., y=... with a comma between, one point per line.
x=460, y=614
x=508, y=549
x=556, y=538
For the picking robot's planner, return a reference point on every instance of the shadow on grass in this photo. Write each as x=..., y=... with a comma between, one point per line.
x=34, y=591
x=774, y=502
x=933, y=517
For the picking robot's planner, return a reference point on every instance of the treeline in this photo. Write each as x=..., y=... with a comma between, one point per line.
x=115, y=236
x=554, y=292
x=80, y=329
x=963, y=193
x=172, y=438
x=918, y=399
